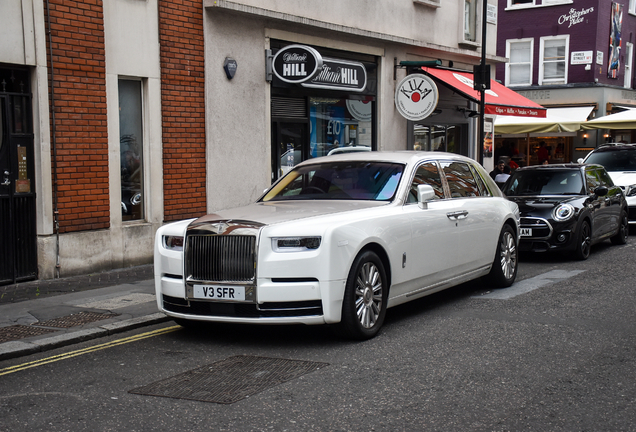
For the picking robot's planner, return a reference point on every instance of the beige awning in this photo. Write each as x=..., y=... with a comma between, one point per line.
x=622, y=120
x=556, y=120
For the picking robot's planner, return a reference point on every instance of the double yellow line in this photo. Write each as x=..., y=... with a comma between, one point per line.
x=71, y=354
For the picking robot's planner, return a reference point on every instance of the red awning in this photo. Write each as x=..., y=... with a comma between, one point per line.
x=500, y=100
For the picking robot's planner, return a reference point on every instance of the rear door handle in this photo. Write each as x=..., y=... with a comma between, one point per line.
x=458, y=215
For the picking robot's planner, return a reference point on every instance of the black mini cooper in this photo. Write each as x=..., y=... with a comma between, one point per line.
x=567, y=207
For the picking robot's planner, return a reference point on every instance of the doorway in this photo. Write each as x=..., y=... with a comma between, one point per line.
x=18, y=236
x=289, y=146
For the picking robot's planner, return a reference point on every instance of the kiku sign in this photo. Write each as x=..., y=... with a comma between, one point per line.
x=416, y=97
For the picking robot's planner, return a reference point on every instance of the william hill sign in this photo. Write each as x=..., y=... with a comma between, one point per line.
x=301, y=64
x=297, y=63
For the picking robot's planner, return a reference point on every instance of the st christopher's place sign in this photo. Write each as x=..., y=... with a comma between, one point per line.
x=416, y=97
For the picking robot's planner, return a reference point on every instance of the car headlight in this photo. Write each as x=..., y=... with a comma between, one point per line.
x=563, y=212
x=174, y=243
x=295, y=244
x=630, y=190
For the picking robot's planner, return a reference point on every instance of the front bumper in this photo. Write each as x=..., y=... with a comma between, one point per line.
x=278, y=302
x=547, y=236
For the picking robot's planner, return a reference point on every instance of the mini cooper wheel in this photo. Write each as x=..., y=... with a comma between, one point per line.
x=584, y=242
x=620, y=238
x=504, y=268
x=365, y=298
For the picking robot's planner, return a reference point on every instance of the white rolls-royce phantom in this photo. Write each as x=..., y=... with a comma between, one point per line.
x=338, y=240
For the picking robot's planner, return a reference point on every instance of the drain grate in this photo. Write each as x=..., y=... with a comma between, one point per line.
x=17, y=332
x=230, y=380
x=75, y=319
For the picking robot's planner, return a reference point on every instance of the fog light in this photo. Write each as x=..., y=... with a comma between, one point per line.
x=561, y=238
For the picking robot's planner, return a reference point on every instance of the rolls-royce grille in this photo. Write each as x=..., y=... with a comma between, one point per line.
x=221, y=258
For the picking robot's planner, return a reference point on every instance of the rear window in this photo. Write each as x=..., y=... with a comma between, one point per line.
x=614, y=160
x=352, y=180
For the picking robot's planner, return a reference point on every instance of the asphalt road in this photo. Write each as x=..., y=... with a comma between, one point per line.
x=555, y=352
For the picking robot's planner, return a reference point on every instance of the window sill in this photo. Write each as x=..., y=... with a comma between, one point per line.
x=533, y=6
x=430, y=3
x=469, y=44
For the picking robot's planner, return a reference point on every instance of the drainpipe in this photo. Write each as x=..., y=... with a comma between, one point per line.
x=54, y=149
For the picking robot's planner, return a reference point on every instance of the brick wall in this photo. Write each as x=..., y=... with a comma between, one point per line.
x=81, y=137
x=183, y=107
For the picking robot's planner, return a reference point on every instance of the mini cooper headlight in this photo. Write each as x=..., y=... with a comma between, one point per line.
x=630, y=190
x=295, y=244
x=563, y=212
x=174, y=243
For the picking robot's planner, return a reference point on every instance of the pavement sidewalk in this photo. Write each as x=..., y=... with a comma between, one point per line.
x=41, y=315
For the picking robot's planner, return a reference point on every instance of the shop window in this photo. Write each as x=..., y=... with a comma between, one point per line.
x=554, y=54
x=519, y=69
x=339, y=125
x=131, y=149
x=445, y=138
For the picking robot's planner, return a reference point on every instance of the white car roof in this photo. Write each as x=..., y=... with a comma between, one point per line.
x=404, y=156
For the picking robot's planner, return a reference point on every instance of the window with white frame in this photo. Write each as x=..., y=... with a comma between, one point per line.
x=632, y=7
x=519, y=68
x=515, y=3
x=131, y=149
x=470, y=20
x=629, y=61
x=553, y=67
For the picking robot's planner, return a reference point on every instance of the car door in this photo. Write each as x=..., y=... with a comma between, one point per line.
x=430, y=260
x=613, y=198
x=474, y=215
x=600, y=206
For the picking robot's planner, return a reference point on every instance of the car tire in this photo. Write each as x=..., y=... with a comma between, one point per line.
x=365, y=298
x=620, y=238
x=583, y=241
x=504, y=267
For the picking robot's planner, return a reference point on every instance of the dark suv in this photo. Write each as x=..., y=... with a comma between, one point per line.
x=567, y=207
x=619, y=161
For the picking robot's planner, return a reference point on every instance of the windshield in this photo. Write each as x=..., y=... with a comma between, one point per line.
x=544, y=182
x=614, y=160
x=353, y=180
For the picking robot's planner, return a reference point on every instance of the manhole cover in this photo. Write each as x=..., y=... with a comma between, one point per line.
x=75, y=319
x=17, y=332
x=229, y=380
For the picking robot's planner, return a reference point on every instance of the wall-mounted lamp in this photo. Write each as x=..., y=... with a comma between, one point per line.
x=468, y=113
x=584, y=139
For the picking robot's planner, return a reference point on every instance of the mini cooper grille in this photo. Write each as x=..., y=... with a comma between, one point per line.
x=540, y=227
x=221, y=258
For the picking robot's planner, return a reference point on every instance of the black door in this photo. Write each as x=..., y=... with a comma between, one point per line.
x=18, y=241
x=289, y=146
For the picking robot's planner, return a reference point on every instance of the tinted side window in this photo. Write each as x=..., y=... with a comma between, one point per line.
x=461, y=181
x=591, y=177
x=480, y=182
x=427, y=173
x=606, y=180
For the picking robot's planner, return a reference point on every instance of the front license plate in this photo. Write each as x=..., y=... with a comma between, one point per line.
x=219, y=292
x=526, y=232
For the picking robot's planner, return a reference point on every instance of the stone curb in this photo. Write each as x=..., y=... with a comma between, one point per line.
x=15, y=349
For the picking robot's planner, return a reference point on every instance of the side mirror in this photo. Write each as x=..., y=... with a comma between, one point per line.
x=580, y=160
x=425, y=193
x=601, y=191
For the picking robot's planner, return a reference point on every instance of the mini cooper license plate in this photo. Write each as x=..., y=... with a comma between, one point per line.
x=219, y=292
x=525, y=232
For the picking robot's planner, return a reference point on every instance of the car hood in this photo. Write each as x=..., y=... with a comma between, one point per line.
x=623, y=178
x=268, y=213
x=532, y=204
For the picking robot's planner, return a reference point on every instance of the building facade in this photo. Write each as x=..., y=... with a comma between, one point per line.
x=565, y=54
x=120, y=115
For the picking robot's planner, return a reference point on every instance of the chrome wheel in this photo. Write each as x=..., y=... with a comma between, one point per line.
x=368, y=295
x=508, y=255
x=503, y=271
x=365, y=297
